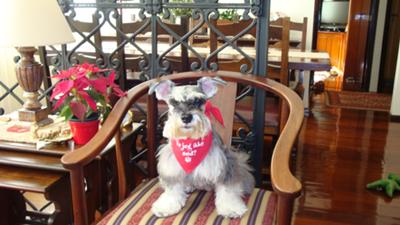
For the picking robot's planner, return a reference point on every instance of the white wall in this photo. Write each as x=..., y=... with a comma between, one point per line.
x=7, y=76
x=296, y=10
x=376, y=60
x=395, y=108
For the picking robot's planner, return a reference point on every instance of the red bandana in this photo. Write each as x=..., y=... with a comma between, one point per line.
x=212, y=110
x=190, y=152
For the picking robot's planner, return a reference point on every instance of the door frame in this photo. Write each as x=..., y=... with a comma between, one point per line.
x=369, y=51
x=384, y=48
x=370, y=38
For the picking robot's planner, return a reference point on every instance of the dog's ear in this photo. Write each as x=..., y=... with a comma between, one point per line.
x=208, y=85
x=163, y=89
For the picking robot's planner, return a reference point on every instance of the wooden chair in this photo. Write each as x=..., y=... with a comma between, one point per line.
x=92, y=37
x=131, y=62
x=281, y=32
x=276, y=32
x=296, y=27
x=286, y=186
x=48, y=55
x=277, y=72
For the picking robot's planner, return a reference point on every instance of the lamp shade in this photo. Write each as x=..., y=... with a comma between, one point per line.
x=34, y=23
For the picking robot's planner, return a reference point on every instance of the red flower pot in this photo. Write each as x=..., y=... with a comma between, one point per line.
x=83, y=131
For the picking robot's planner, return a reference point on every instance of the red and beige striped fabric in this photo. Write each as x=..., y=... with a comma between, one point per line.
x=199, y=209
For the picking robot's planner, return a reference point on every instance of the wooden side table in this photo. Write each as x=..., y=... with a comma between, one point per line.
x=23, y=168
x=52, y=184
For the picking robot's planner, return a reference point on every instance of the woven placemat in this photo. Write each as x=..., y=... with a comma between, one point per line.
x=27, y=132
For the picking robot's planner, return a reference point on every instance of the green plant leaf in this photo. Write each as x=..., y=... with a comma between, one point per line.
x=66, y=112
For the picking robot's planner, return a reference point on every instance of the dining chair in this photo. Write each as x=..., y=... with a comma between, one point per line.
x=296, y=27
x=264, y=207
x=276, y=110
x=89, y=33
x=89, y=38
x=281, y=33
x=276, y=32
x=277, y=71
x=130, y=33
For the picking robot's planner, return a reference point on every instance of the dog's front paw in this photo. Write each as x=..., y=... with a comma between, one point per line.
x=233, y=208
x=167, y=205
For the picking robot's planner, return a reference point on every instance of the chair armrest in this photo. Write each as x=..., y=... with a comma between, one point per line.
x=283, y=180
x=75, y=161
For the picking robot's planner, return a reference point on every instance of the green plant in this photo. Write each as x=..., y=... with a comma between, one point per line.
x=230, y=14
x=181, y=11
x=84, y=90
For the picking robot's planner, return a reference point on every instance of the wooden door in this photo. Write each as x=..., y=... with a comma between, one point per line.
x=390, y=47
x=360, y=39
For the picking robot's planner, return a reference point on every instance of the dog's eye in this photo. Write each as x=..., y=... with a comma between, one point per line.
x=173, y=102
x=198, y=102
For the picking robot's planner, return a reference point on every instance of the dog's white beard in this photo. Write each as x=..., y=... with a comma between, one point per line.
x=174, y=128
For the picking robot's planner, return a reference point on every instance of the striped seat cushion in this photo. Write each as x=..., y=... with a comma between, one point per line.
x=199, y=209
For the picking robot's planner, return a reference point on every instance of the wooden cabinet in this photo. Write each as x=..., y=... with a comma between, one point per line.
x=335, y=44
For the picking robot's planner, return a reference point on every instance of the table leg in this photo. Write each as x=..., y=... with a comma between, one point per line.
x=60, y=195
x=12, y=207
x=306, y=94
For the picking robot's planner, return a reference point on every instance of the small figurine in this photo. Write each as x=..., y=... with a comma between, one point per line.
x=390, y=184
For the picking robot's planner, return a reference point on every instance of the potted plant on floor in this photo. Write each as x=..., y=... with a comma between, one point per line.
x=83, y=97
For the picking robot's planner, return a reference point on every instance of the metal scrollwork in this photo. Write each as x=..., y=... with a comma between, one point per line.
x=128, y=55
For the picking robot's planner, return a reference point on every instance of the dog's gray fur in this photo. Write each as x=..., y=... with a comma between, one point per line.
x=222, y=170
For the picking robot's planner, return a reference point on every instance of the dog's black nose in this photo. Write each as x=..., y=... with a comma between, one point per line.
x=187, y=118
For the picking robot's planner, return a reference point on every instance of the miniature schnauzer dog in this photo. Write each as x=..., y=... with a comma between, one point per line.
x=195, y=156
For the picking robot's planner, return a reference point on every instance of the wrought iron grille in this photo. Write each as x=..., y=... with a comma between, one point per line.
x=155, y=59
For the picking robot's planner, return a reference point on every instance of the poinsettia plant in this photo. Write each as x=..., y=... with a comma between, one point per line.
x=84, y=90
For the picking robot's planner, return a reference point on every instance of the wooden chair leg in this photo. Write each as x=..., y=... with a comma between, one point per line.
x=285, y=209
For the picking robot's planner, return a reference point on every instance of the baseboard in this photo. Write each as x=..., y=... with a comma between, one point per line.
x=395, y=118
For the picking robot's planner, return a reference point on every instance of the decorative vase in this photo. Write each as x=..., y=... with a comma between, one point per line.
x=83, y=131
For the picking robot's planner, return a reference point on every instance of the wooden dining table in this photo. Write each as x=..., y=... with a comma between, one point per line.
x=302, y=61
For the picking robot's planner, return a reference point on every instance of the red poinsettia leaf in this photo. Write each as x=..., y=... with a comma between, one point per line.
x=63, y=87
x=78, y=109
x=115, y=88
x=64, y=74
x=118, y=92
x=111, y=77
x=81, y=83
x=86, y=66
x=60, y=101
x=100, y=85
x=89, y=100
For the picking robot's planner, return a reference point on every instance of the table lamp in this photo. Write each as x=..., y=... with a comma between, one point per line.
x=25, y=24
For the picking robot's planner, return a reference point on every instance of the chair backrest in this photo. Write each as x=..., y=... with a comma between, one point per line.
x=225, y=101
x=279, y=33
x=231, y=29
x=88, y=30
x=131, y=62
x=296, y=27
x=285, y=184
